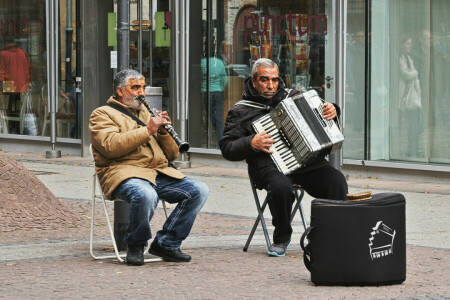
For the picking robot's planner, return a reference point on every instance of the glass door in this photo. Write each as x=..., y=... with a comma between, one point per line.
x=295, y=34
x=24, y=100
x=150, y=43
x=355, y=81
x=330, y=54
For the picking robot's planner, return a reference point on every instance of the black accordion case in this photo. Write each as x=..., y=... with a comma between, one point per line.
x=357, y=243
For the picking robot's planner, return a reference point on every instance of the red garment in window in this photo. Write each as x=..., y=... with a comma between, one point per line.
x=15, y=67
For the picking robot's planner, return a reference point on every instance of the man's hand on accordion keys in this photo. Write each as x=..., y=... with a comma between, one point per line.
x=329, y=111
x=262, y=141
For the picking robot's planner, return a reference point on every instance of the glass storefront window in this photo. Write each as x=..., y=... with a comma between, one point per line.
x=409, y=91
x=22, y=65
x=355, y=87
x=234, y=34
x=23, y=71
x=405, y=82
x=150, y=49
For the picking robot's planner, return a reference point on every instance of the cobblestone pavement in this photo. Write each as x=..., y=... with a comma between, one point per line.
x=44, y=250
x=214, y=273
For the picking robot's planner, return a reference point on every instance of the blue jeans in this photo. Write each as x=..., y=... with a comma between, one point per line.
x=143, y=197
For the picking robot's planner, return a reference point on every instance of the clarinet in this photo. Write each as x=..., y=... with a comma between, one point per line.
x=182, y=146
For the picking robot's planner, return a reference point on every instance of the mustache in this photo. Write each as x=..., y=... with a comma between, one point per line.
x=139, y=98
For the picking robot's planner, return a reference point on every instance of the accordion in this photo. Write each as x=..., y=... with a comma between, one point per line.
x=300, y=132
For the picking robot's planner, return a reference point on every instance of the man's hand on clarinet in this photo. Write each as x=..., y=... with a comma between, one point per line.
x=329, y=111
x=157, y=123
x=262, y=142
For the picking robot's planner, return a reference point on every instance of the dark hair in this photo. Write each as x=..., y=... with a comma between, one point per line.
x=121, y=78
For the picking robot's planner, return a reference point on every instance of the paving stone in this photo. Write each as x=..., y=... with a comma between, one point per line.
x=32, y=217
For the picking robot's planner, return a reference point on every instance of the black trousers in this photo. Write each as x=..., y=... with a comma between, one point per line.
x=324, y=182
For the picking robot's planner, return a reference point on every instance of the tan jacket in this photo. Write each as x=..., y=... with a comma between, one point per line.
x=123, y=149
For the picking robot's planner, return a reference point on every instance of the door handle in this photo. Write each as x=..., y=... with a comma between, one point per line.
x=329, y=79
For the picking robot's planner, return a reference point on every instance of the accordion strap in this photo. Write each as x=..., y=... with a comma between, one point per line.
x=259, y=105
x=253, y=104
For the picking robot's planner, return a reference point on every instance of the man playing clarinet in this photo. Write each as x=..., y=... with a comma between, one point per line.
x=240, y=141
x=132, y=162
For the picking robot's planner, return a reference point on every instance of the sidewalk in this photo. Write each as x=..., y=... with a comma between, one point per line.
x=52, y=262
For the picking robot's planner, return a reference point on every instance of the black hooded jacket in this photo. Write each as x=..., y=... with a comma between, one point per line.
x=238, y=133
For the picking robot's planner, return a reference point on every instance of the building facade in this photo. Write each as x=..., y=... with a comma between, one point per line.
x=384, y=62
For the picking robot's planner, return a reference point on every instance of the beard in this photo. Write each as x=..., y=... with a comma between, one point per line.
x=132, y=101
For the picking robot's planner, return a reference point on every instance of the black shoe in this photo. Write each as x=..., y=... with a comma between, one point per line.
x=135, y=255
x=168, y=255
x=279, y=249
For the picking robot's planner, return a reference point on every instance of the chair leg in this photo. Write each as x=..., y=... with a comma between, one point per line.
x=117, y=255
x=300, y=207
x=165, y=209
x=297, y=206
x=260, y=217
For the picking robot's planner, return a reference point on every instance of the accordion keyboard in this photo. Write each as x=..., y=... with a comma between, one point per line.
x=282, y=155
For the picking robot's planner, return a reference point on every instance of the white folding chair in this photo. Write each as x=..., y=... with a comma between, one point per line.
x=99, y=195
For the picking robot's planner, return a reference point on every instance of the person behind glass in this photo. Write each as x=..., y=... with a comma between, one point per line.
x=224, y=52
x=15, y=77
x=240, y=141
x=218, y=80
x=132, y=163
x=14, y=68
x=410, y=102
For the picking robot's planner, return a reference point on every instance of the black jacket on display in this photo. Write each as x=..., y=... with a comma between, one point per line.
x=238, y=133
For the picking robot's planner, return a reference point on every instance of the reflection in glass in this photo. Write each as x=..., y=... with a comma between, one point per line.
x=410, y=102
x=355, y=87
x=213, y=96
x=407, y=85
x=234, y=34
x=15, y=79
x=23, y=70
x=411, y=122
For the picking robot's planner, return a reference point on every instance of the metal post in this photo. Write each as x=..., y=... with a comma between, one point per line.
x=123, y=34
x=150, y=38
x=180, y=44
x=69, y=34
x=121, y=208
x=78, y=70
x=140, y=46
x=208, y=55
x=340, y=20
x=52, y=10
x=183, y=12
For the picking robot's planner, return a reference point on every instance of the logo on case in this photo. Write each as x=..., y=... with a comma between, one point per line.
x=381, y=241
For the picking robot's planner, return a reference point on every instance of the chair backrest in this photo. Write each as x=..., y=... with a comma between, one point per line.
x=96, y=179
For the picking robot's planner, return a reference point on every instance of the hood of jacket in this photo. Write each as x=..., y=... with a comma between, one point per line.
x=249, y=93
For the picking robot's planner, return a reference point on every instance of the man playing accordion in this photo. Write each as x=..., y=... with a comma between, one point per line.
x=240, y=141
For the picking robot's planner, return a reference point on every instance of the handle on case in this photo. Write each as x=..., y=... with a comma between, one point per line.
x=306, y=252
